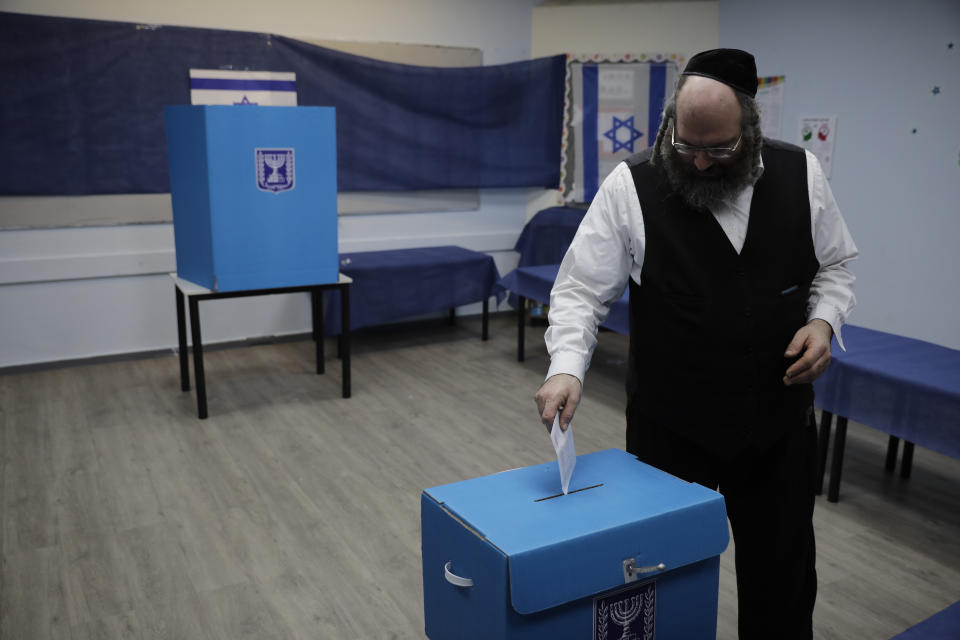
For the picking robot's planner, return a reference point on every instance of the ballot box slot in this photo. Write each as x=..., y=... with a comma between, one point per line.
x=560, y=495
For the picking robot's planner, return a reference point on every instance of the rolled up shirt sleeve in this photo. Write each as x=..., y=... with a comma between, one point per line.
x=593, y=273
x=831, y=292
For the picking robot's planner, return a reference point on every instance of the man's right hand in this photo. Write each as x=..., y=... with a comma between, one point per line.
x=559, y=393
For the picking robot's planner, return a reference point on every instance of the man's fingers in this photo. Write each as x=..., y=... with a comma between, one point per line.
x=560, y=393
x=812, y=349
x=548, y=413
x=796, y=345
x=548, y=404
x=566, y=416
x=570, y=404
x=807, y=370
x=809, y=357
x=799, y=368
x=813, y=340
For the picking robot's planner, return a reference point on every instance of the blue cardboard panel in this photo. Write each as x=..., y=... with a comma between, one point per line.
x=286, y=237
x=575, y=544
x=483, y=611
x=263, y=181
x=443, y=540
x=190, y=194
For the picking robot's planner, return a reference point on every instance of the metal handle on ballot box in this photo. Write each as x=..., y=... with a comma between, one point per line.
x=631, y=572
x=454, y=579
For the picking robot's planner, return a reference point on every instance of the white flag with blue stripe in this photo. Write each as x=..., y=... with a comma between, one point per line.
x=617, y=107
x=223, y=86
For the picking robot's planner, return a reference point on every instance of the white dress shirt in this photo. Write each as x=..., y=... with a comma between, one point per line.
x=608, y=249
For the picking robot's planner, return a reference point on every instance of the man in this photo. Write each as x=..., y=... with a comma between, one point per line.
x=736, y=256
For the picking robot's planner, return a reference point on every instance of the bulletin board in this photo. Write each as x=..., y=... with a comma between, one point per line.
x=612, y=110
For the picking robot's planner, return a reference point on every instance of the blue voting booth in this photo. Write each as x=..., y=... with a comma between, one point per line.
x=254, y=193
x=629, y=552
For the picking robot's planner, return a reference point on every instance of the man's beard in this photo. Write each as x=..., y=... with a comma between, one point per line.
x=719, y=183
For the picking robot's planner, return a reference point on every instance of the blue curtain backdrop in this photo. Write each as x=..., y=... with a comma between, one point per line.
x=82, y=109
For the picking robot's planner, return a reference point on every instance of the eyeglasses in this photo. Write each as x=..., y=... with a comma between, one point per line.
x=717, y=153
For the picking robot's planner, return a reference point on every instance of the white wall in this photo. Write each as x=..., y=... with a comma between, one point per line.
x=681, y=28
x=83, y=292
x=659, y=27
x=874, y=65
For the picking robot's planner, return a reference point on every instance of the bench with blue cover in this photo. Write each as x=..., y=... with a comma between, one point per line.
x=907, y=388
x=536, y=282
x=401, y=283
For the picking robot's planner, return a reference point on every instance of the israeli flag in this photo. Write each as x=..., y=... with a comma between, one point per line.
x=221, y=86
x=617, y=112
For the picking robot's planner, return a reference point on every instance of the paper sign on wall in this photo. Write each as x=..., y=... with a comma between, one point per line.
x=770, y=102
x=817, y=135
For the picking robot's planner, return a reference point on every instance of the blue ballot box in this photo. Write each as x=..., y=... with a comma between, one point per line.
x=630, y=553
x=254, y=193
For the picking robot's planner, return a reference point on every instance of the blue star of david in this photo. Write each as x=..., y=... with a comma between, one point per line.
x=624, y=124
x=244, y=101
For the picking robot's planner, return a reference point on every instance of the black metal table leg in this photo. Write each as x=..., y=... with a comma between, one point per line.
x=486, y=317
x=836, y=469
x=316, y=304
x=182, y=341
x=345, y=337
x=521, y=306
x=198, y=358
x=893, y=444
x=906, y=464
x=823, y=445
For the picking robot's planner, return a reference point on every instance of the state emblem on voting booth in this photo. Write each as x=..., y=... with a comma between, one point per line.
x=629, y=553
x=275, y=169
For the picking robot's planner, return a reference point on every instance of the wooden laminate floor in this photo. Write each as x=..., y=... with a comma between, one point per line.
x=292, y=513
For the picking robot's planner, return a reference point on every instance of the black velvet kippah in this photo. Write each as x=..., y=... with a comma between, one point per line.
x=732, y=67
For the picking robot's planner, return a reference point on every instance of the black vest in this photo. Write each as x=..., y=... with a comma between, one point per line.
x=708, y=327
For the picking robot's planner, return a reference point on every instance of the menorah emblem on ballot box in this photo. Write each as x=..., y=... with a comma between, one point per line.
x=634, y=611
x=275, y=170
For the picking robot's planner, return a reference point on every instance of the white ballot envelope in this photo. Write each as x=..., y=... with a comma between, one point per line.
x=566, y=452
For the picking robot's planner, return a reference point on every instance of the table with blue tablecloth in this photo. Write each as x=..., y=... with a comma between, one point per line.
x=907, y=388
x=536, y=282
x=547, y=235
x=944, y=625
x=400, y=283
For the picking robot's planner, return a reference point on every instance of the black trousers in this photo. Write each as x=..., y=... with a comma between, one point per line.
x=769, y=494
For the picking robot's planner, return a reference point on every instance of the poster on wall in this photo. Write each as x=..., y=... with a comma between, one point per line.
x=225, y=86
x=816, y=135
x=770, y=102
x=612, y=110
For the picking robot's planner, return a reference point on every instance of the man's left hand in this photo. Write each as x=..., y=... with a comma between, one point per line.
x=813, y=341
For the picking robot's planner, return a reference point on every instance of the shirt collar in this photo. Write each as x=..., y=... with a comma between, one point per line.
x=760, y=169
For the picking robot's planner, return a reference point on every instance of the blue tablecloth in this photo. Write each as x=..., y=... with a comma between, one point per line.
x=941, y=626
x=547, y=235
x=536, y=282
x=399, y=283
x=905, y=387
